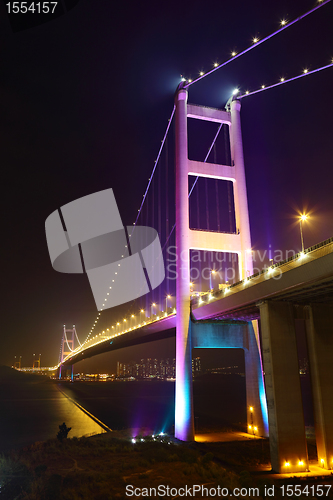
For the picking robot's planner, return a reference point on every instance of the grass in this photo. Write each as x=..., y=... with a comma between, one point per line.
x=100, y=467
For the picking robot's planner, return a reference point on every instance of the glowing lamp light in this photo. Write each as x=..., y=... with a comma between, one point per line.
x=303, y=217
x=251, y=409
x=233, y=53
x=263, y=86
x=305, y=70
x=200, y=301
x=301, y=463
x=133, y=441
x=322, y=460
x=215, y=65
x=287, y=464
x=247, y=92
x=255, y=429
x=189, y=81
x=235, y=91
x=250, y=427
x=201, y=73
x=283, y=22
x=282, y=79
x=255, y=39
x=183, y=79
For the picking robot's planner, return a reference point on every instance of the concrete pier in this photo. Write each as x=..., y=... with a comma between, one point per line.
x=283, y=389
x=319, y=330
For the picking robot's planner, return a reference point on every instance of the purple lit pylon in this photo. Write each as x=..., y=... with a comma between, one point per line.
x=184, y=421
x=186, y=239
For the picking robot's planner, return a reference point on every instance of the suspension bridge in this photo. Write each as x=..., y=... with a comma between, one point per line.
x=212, y=296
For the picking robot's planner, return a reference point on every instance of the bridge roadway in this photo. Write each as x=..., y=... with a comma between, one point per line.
x=303, y=279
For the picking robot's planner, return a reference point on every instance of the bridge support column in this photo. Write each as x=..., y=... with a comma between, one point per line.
x=184, y=421
x=240, y=195
x=257, y=418
x=284, y=400
x=319, y=323
x=72, y=373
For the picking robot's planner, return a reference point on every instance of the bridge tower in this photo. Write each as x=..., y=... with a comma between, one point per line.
x=187, y=239
x=67, y=346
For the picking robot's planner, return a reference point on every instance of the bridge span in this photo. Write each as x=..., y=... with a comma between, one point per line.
x=304, y=279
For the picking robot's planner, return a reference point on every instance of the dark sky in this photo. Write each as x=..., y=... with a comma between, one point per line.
x=85, y=101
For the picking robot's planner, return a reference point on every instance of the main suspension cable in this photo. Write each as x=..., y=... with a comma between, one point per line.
x=256, y=43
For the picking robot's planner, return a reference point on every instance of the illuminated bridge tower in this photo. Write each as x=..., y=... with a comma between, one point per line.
x=187, y=239
x=67, y=346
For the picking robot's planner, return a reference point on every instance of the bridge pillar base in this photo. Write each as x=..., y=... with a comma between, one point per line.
x=319, y=321
x=184, y=417
x=235, y=335
x=283, y=389
x=257, y=418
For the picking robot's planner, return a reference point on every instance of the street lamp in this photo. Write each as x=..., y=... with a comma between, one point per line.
x=210, y=278
x=302, y=218
x=151, y=309
x=166, y=302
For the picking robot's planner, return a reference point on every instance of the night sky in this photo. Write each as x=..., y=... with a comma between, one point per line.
x=85, y=101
